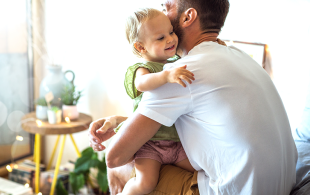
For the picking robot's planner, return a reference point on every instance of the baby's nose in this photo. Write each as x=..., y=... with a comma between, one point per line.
x=170, y=39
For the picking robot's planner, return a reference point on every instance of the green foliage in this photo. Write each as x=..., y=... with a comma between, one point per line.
x=103, y=181
x=77, y=181
x=54, y=109
x=41, y=101
x=70, y=96
x=60, y=189
x=80, y=175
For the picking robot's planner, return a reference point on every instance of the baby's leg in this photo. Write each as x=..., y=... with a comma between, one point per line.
x=182, y=160
x=147, y=173
x=185, y=164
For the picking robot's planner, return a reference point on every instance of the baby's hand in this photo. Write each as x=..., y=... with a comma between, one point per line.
x=176, y=75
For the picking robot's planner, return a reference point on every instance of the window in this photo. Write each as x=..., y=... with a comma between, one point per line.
x=16, y=86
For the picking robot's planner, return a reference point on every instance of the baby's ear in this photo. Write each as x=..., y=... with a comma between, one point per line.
x=139, y=47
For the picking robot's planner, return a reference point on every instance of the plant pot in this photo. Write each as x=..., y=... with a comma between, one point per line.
x=54, y=117
x=70, y=111
x=41, y=112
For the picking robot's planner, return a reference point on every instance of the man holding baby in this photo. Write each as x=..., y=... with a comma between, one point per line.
x=230, y=120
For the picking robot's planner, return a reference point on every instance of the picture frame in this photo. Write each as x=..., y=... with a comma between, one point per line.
x=258, y=51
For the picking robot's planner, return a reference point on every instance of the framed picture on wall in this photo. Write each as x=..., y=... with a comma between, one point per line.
x=258, y=51
x=255, y=50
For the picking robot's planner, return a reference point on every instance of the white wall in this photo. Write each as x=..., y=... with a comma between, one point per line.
x=88, y=38
x=284, y=26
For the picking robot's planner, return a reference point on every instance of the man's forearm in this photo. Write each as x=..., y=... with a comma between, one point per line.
x=137, y=130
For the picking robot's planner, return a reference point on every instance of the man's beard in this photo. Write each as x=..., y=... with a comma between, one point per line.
x=177, y=29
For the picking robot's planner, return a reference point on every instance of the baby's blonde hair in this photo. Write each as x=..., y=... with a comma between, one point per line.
x=134, y=23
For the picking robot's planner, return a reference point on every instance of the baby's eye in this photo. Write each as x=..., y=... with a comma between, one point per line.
x=172, y=32
x=161, y=38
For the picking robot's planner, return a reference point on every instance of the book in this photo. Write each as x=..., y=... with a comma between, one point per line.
x=32, y=164
x=24, y=172
x=8, y=187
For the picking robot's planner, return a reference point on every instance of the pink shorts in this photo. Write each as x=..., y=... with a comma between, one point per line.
x=163, y=151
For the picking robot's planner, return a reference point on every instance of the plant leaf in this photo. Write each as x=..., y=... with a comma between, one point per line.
x=88, y=152
x=69, y=95
x=83, y=163
x=102, y=179
x=102, y=166
x=60, y=189
x=77, y=181
x=94, y=162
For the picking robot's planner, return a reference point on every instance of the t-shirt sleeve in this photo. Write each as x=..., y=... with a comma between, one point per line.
x=166, y=103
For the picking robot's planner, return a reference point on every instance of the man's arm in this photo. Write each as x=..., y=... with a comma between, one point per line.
x=136, y=131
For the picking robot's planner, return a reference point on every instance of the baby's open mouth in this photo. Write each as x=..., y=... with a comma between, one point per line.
x=170, y=48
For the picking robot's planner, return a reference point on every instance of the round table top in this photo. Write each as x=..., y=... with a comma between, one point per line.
x=29, y=124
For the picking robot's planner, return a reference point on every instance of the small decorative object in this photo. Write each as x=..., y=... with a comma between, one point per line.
x=54, y=115
x=41, y=108
x=55, y=81
x=70, y=97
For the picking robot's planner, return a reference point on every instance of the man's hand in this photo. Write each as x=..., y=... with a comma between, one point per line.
x=176, y=75
x=101, y=130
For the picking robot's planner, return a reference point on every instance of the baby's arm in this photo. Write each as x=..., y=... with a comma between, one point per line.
x=145, y=81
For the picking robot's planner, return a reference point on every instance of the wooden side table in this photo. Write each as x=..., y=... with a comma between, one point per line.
x=38, y=127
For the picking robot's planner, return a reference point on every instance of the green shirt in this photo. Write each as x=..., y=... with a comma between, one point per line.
x=164, y=132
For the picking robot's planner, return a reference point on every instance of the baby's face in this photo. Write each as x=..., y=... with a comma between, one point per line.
x=158, y=39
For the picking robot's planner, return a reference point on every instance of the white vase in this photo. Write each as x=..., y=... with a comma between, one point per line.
x=54, y=117
x=70, y=111
x=54, y=82
x=41, y=112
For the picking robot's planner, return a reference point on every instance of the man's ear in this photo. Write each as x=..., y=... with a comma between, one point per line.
x=139, y=47
x=188, y=17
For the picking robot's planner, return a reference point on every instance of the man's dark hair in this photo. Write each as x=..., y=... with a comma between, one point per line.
x=212, y=13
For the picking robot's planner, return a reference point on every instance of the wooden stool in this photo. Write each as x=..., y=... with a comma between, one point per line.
x=32, y=125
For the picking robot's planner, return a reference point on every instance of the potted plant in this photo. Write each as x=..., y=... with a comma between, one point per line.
x=41, y=108
x=83, y=170
x=70, y=97
x=54, y=115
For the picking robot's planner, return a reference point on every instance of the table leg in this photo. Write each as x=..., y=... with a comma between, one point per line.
x=53, y=154
x=57, y=165
x=37, y=160
x=34, y=150
x=75, y=146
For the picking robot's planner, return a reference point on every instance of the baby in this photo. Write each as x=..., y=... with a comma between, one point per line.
x=151, y=34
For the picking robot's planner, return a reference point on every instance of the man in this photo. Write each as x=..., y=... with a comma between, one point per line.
x=230, y=120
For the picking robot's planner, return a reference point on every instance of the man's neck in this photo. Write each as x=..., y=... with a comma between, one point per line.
x=192, y=40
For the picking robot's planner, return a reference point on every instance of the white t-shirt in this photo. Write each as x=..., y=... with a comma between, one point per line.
x=231, y=122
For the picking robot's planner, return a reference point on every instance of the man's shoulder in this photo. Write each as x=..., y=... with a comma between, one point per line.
x=179, y=61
